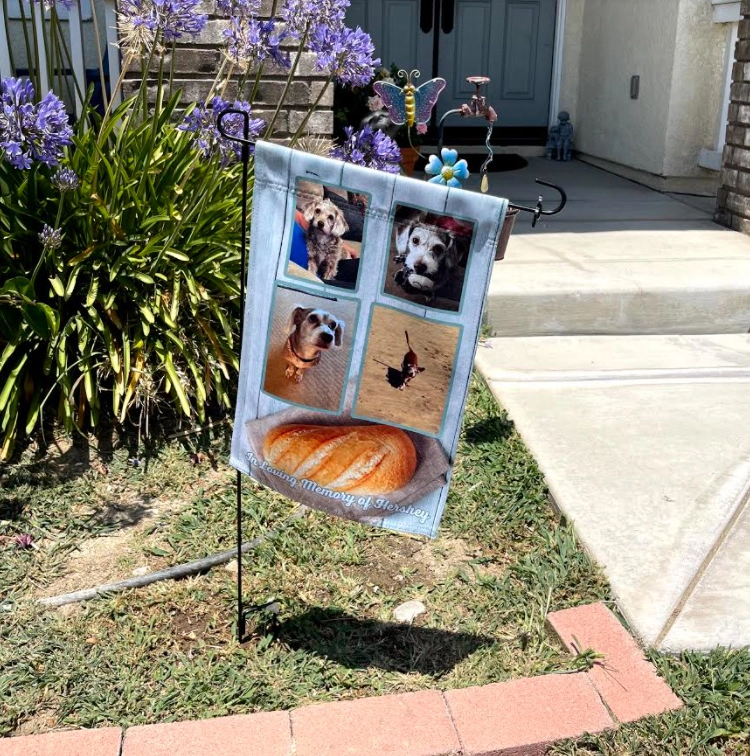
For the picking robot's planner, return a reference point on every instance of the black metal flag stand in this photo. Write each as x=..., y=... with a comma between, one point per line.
x=246, y=144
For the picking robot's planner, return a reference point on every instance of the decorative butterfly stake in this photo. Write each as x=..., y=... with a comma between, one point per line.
x=410, y=104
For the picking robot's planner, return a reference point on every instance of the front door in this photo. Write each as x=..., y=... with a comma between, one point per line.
x=511, y=41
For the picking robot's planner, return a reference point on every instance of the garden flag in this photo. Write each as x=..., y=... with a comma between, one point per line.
x=365, y=296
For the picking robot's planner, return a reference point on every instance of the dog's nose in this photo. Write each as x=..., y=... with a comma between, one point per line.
x=321, y=224
x=326, y=337
x=420, y=268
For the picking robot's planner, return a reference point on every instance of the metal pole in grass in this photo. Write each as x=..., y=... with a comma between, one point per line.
x=244, y=140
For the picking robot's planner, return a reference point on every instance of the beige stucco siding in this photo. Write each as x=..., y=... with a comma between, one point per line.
x=619, y=40
x=697, y=87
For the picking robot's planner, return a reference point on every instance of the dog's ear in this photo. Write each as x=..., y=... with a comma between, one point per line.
x=338, y=334
x=462, y=245
x=309, y=210
x=402, y=238
x=297, y=315
x=452, y=251
x=340, y=227
x=420, y=370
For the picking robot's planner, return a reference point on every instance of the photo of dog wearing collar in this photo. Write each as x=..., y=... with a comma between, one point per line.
x=428, y=258
x=308, y=349
x=406, y=371
x=327, y=234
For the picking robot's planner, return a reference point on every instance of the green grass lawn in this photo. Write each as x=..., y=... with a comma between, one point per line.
x=167, y=652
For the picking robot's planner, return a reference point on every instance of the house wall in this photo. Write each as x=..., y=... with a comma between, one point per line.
x=679, y=54
x=619, y=40
x=697, y=88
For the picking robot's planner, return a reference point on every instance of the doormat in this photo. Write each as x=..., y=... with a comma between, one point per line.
x=365, y=297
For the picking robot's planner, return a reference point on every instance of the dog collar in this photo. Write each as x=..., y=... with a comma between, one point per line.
x=301, y=359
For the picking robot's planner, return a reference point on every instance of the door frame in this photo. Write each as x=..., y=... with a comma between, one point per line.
x=557, y=61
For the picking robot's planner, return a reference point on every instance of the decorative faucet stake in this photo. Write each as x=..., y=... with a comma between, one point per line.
x=477, y=107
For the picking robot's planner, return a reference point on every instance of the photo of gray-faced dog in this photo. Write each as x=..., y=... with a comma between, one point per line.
x=308, y=348
x=429, y=255
x=311, y=331
x=324, y=245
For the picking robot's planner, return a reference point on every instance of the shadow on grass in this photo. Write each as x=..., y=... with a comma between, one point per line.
x=488, y=430
x=358, y=643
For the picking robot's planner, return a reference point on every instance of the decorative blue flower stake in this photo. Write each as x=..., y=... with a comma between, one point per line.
x=447, y=171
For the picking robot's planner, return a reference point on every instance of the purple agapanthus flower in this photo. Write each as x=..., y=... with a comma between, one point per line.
x=239, y=7
x=370, y=148
x=345, y=54
x=173, y=18
x=30, y=131
x=203, y=123
x=65, y=180
x=251, y=41
x=50, y=237
x=303, y=15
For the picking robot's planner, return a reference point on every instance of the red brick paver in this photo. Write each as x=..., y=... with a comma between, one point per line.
x=521, y=717
x=408, y=724
x=627, y=682
x=104, y=742
x=265, y=734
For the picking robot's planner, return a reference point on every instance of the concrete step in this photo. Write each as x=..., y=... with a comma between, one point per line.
x=621, y=276
x=645, y=446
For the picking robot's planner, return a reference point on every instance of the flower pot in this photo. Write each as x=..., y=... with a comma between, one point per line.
x=409, y=157
x=505, y=232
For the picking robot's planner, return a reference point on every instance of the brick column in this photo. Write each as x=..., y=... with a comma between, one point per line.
x=733, y=200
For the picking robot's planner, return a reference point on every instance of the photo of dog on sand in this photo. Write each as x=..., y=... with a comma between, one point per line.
x=326, y=243
x=309, y=348
x=428, y=258
x=406, y=371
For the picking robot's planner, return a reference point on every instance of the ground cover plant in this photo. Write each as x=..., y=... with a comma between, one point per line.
x=167, y=652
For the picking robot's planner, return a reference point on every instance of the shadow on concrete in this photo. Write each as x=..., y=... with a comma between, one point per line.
x=361, y=643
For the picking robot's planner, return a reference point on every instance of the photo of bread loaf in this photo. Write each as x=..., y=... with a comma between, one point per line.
x=357, y=459
x=362, y=471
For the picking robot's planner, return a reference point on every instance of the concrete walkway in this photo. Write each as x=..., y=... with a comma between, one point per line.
x=624, y=359
x=620, y=259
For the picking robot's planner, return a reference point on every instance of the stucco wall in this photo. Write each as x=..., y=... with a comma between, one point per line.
x=679, y=54
x=619, y=40
x=571, y=62
x=697, y=87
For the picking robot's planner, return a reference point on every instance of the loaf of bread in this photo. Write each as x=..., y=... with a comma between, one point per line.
x=357, y=459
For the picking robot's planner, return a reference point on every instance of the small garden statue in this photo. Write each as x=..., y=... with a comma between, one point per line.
x=565, y=136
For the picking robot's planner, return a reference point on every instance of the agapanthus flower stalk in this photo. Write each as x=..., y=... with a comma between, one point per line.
x=142, y=23
x=345, y=54
x=370, y=148
x=236, y=8
x=31, y=132
x=202, y=122
x=250, y=42
x=302, y=16
x=51, y=238
x=65, y=180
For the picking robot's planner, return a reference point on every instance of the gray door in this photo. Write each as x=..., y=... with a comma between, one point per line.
x=511, y=41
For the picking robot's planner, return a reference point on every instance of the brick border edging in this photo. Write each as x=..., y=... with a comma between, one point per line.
x=513, y=718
